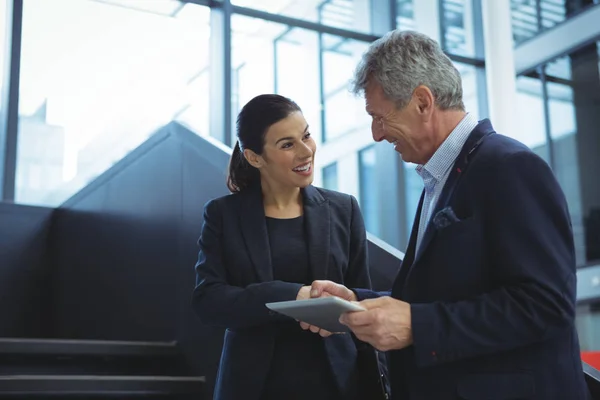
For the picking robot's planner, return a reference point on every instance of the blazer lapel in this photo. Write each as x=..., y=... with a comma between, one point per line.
x=409, y=256
x=481, y=131
x=254, y=230
x=316, y=218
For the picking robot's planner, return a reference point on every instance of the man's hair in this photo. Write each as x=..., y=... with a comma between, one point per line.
x=401, y=61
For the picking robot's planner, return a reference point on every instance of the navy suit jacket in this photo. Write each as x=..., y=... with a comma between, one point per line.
x=235, y=280
x=492, y=294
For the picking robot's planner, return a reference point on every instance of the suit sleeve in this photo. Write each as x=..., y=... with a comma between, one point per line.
x=220, y=304
x=358, y=276
x=528, y=233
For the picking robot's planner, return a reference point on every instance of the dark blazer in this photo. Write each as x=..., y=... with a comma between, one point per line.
x=235, y=280
x=492, y=287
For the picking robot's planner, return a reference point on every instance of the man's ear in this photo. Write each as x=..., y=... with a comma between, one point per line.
x=253, y=159
x=425, y=99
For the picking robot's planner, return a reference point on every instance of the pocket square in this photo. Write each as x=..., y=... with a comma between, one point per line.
x=444, y=218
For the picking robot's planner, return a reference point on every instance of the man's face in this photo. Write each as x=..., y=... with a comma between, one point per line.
x=404, y=128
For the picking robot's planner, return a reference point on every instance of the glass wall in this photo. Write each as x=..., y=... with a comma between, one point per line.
x=405, y=18
x=330, y=177
x=353, y=15
x=531, y=17
x=3, y=48
x=311, y=68
x=97, y=79
x=369, y=200
x=559, y=112
x=458, y=27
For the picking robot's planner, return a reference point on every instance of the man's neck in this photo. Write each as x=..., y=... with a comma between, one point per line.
x=445, y=123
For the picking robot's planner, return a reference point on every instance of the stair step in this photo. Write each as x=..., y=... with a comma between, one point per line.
x=86, y=347
x=61, y=385
x=89, y=357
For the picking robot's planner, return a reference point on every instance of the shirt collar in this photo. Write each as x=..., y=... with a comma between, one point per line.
x=445, y=156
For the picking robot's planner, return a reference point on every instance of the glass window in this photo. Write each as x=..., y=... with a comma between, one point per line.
x=268, y=57
x=468, y=74
x=529, y=17
x=369, y=198
x=97, y=79
x=574, y=112
x=354, y=15
x=458, y=27
x=524, y=19
x=344, y=112
x=273, y=58
x=530, y=116
x=330, y=177
x=552, y=12
x=563, y=131
x=3, y=45
x=405, y=17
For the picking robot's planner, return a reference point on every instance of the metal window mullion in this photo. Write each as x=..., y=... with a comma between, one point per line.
x=9, y=117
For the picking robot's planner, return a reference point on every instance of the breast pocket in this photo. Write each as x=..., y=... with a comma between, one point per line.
x=457, y=229
x=451, y=266
x=462, y=239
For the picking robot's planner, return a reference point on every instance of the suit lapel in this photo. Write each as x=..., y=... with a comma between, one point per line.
x=317, y=228
x=409, y=256
x=254, y=230
x=482, y=130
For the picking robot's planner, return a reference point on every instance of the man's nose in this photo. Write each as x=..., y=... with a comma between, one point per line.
x=377, y=130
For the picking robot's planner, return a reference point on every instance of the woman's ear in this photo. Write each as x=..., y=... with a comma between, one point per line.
x=253, y=159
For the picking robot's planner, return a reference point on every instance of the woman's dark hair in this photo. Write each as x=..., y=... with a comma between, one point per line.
x=253, y=122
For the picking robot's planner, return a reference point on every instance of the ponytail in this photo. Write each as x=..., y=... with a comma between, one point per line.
x=241, y=173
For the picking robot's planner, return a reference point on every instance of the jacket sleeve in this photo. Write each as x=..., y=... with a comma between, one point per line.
x=528, y=233
x=221, y=304
x=357, y=274
x=358, y=278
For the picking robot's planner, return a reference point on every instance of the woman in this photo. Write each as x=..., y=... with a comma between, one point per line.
x=267, y=242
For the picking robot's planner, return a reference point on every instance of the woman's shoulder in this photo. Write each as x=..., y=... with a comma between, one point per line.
x=222, y=202
x=336, y=198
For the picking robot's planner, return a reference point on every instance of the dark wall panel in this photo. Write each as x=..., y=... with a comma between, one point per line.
x=116, y=253
x=24, y=273
x=124, y=249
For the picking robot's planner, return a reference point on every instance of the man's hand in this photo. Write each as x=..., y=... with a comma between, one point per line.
x=329, y=288
x=385, y=325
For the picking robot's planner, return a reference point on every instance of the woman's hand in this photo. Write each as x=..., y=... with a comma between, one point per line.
x=304, y=293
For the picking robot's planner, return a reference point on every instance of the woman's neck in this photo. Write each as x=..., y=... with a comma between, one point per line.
x=282, y=203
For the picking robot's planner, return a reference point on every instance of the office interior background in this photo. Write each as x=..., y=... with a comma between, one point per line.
x=86, y=82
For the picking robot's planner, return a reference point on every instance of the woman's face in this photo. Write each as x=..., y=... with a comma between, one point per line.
x=289, y=153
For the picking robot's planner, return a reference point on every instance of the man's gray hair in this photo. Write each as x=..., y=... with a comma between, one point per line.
x=401, y=61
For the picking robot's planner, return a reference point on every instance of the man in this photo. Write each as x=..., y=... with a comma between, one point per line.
x=484, y=304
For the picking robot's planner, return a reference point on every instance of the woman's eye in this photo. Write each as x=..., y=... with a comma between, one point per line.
x=286, y=145
x=307, y=135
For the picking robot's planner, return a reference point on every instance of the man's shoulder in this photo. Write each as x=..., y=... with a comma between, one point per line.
x=502, y=146
x=498, y=149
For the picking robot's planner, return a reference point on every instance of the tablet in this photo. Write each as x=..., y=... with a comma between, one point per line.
x=323, y=312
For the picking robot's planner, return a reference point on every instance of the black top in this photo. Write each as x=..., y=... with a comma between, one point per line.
x=295, y=347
